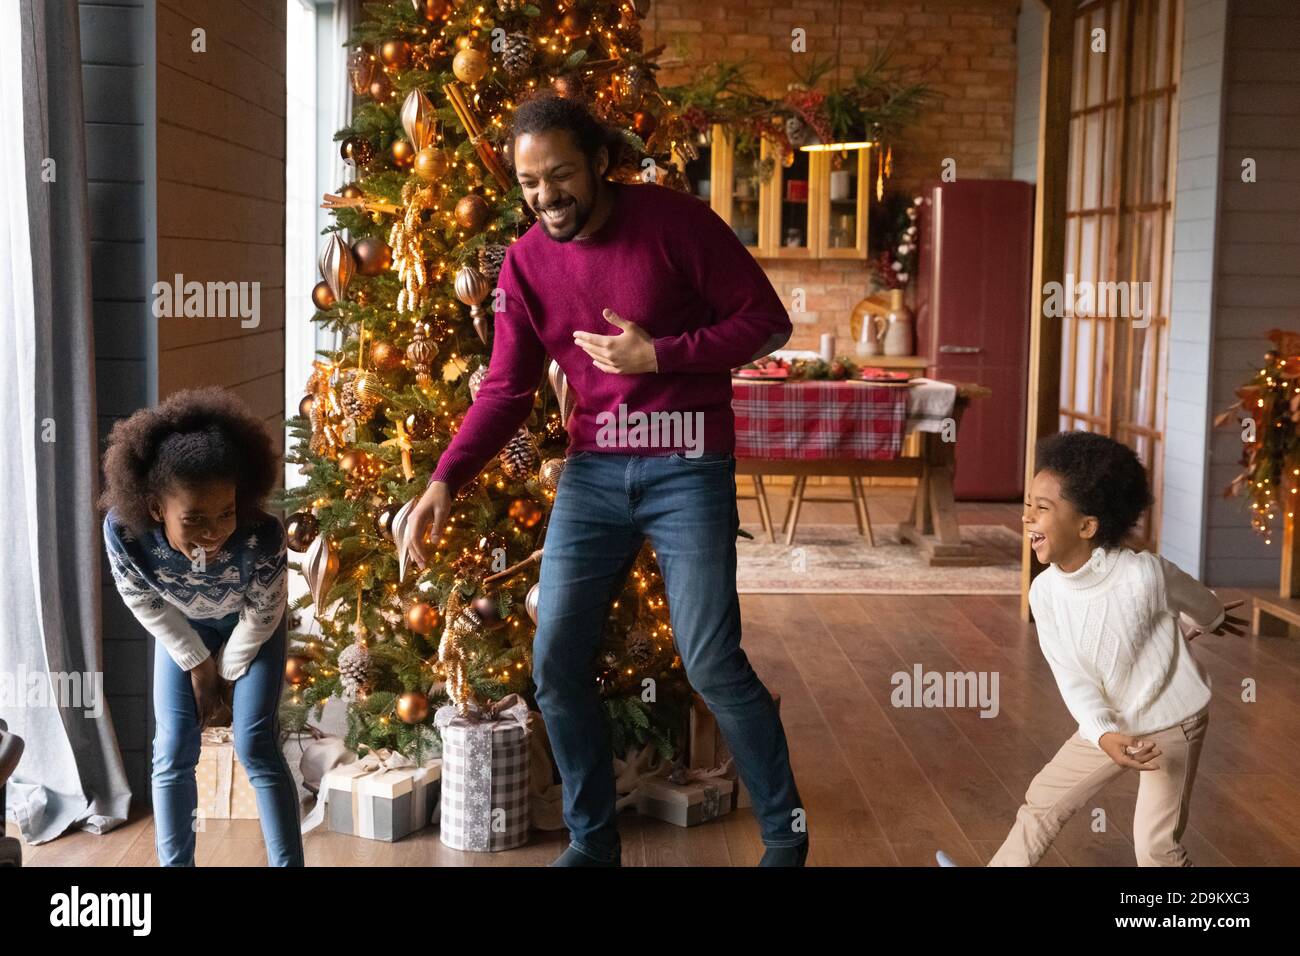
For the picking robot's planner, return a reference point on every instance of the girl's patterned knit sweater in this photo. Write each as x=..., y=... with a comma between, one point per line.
x=245, y=583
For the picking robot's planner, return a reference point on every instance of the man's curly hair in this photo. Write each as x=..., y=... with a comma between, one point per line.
x=1101, y=477
x=194, y=436
x=544, y=110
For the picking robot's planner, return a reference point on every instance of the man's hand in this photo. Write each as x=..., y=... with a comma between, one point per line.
x=428, y=518
x=1231, y=624
x=208, y=698
x=1129, y=751
x=631, y=353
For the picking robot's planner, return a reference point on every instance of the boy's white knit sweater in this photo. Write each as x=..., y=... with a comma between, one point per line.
x=1110, y=633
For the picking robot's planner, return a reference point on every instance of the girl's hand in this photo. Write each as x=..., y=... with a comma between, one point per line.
x=1231, y=624
x=1129, y=751
x=207, y=692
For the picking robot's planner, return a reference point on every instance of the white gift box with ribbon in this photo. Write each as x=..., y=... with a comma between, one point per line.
x=383, y=796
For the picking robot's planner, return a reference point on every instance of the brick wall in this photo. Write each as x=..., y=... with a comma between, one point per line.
x=966, y=47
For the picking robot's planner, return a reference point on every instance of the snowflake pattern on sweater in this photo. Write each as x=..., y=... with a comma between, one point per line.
x=166, y=592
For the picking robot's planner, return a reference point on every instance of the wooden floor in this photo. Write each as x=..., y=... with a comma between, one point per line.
x=886, y=786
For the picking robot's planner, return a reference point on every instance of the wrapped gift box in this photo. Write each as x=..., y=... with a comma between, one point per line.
x=369, y=799
x=685, y=804
x=486, y=776
x=706, y=749
x=225, y=792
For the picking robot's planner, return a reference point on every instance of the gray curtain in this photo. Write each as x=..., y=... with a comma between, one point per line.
x=71, y=774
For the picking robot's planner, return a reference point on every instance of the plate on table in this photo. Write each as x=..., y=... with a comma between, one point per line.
x=886, y=376
x=768, y=373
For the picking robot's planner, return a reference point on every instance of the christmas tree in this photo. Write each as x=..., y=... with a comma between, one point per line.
x=408, y=270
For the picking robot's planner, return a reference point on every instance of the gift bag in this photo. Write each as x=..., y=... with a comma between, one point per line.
x=485, y=776
x=225, y=792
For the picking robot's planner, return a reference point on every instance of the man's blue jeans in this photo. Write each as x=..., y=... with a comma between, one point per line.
x=606, y=505
x=256, y=734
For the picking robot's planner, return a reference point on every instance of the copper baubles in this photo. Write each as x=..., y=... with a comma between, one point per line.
x=422, y=618
x=337, y=265
x=486, y=608
x=419, y=425
x=413, y=707
x=533, y=601
x=354, y=461
x=384, y=520
x=305, y=405
x=322, y=297
x=295, y=669
x=431, y=164
x=395, y=54
x=549, y=474
x=385, y=356
x=361, y=69
x=402, y=152
x=472, y=212
x=356, y=150
x=300, y=530
x=525, y=512
x=469, y=65
x=568, y=87
x=372, y=256
x=472, y=288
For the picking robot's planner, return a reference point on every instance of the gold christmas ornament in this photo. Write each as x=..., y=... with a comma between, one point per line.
x=356, y=150
x=372, y=256
x=367, y=385
x=419, y=119
x=420, y=354
x=403, y=153
x=532, y=600
x=385, y=356
x=395, y=54
x=381, y=88
x=305, y=406
x=352, y=191
x=361, y=69
x=476, y=380
x=295, y=669
x=526, y=512
x=564, y=395
x=408, y=244
x=320, y=566
x=462, y=623
x=413, y=707
x=471, y=287
x=549, y=474
x=422, y=618
x=337, y=265
x=300, y=530
x=472, y=212
x=419, y=425
x=431, y=164
x=358, y=401
x=384, y=520
x=354, y=461
x=469, y=65
x=322, y=297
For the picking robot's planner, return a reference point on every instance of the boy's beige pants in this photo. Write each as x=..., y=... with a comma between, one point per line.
x=1079, y=770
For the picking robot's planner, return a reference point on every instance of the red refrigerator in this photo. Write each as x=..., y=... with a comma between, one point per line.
x=973, y=274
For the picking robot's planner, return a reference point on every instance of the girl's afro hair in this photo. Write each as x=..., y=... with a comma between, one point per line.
x=194, y=436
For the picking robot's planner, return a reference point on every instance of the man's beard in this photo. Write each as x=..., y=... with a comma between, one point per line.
x=581, y=214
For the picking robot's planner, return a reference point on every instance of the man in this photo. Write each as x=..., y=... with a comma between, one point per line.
x=647, y=300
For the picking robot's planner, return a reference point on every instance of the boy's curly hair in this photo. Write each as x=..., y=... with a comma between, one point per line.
x=194, y=436
x=1101, y=477
x=544, y=110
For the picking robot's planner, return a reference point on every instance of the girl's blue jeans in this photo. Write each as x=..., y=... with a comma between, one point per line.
x=605, y=507
x=256, y=733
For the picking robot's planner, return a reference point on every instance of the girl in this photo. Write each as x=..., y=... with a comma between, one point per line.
x=1108, y=624
x=204, y=570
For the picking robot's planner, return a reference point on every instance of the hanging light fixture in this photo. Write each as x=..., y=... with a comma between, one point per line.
x=845, y=146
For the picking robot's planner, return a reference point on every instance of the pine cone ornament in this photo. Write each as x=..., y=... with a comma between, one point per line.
x=639, y=647
x=490, y=259
x=520, y=456
x=354, y=668
x=517, y=54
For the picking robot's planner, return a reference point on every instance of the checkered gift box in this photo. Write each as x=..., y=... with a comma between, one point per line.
x=485, y=776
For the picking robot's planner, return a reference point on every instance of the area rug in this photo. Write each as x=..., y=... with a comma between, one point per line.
x=835, y=559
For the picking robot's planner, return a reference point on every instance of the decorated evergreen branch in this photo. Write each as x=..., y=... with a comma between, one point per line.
x=1267, y=414
x=419, y=234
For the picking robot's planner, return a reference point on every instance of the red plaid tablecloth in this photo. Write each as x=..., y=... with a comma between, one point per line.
x=817, y=420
